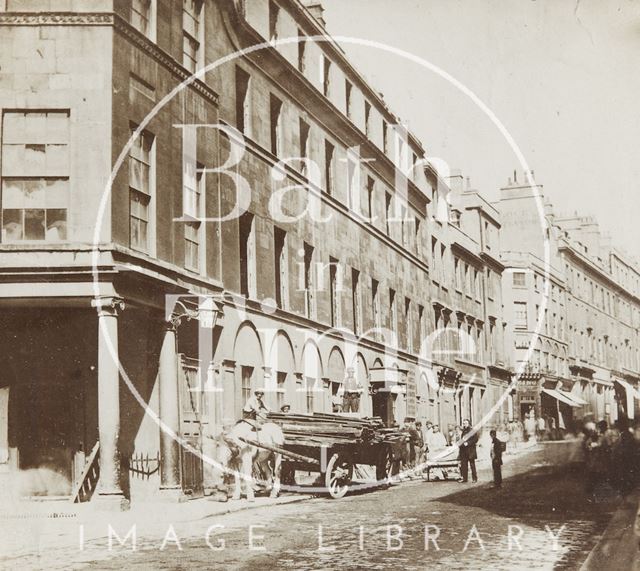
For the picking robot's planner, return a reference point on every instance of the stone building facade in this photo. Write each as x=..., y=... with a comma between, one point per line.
x=172, y=242
x=573, y=334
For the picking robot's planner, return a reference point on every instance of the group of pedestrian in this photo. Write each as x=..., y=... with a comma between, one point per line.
x=468, y=454
x=612, y=455
x=423, y=443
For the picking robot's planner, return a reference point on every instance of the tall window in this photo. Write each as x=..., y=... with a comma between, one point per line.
x=281, y=266
x=329, y=167
x=281, y=380
x=369, y=198
x=243, y=101
x=35, y=175
x=274, y=12
x=375, y=305
x=309, y=297
x=457, y=274
x=247, y=373
x=141, y=190
x=520, y=315
x=142, y=17
x=385, y=136
x=388, y=213
x=304, y=147
x=191, y=34
x=247, y=255
x=276, y=125
x=348, y=88
x=490, y=292
x=356, y=301
x=408, y=322
x=353, y=183
x=326, y=76
x=422, y=323
x=393, y=313
x=302, y=46
x=367, y=118
x=334, y=289
x=310, y=390
x=193, y=187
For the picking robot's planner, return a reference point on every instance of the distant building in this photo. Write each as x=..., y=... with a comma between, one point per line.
x=572, y=370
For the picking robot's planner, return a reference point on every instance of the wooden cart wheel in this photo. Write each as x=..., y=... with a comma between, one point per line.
x=338, y=476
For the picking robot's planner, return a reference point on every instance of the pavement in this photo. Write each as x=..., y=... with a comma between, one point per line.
x=31, y=536
x=540, y=519
x=618, y=546
x=40, y=527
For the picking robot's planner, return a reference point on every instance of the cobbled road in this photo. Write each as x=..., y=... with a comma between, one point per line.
x=540, y=519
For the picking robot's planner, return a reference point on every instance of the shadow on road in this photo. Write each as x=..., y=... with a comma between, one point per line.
x=544, y=494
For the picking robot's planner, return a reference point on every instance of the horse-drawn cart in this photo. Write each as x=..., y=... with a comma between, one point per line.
x=333, y=445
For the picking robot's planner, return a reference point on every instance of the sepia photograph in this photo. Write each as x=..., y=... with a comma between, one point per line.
x=320, y=284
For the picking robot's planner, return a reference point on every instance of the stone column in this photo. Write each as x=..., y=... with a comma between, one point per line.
x=229, y=393
x=268, y=384
x=212, y=476
x=169, y=413
x=110, y=493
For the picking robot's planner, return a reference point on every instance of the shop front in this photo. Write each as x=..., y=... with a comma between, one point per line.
x=549, y=397
x=386, y=385
x=627, y=397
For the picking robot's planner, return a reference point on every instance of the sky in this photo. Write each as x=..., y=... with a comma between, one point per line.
x=563, y=76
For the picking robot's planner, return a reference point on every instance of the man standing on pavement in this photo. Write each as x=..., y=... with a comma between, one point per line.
x=468, y=452
x=496, y=459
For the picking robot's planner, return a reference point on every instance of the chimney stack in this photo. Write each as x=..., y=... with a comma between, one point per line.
x=316, y=9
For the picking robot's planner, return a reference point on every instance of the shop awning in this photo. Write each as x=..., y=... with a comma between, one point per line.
x=560, y=396
x=630, y=390
x=575, y=398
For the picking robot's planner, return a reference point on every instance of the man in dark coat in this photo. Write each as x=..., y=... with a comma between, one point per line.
x=496, y=459
x=468, y=453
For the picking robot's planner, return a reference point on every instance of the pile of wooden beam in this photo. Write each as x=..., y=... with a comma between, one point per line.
x=331, y=429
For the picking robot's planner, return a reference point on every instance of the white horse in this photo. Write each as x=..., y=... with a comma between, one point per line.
x=241, y=458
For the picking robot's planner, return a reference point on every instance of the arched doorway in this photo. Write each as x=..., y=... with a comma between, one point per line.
x=362, y=377
x=249, y=372
x=281, y=374
x=336, y=375
x=311, y=391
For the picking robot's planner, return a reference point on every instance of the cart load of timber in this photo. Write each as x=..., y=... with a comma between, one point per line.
x=333, y=444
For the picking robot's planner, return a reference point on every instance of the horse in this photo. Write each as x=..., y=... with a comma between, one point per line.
x=237, y=455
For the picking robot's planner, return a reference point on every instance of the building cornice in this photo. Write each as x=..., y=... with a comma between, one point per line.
x=57, y=19
x=119, y=24
x=384, y=167
x=163, y=58
x=585, y=262
x=492, y=262
x=467, y=254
